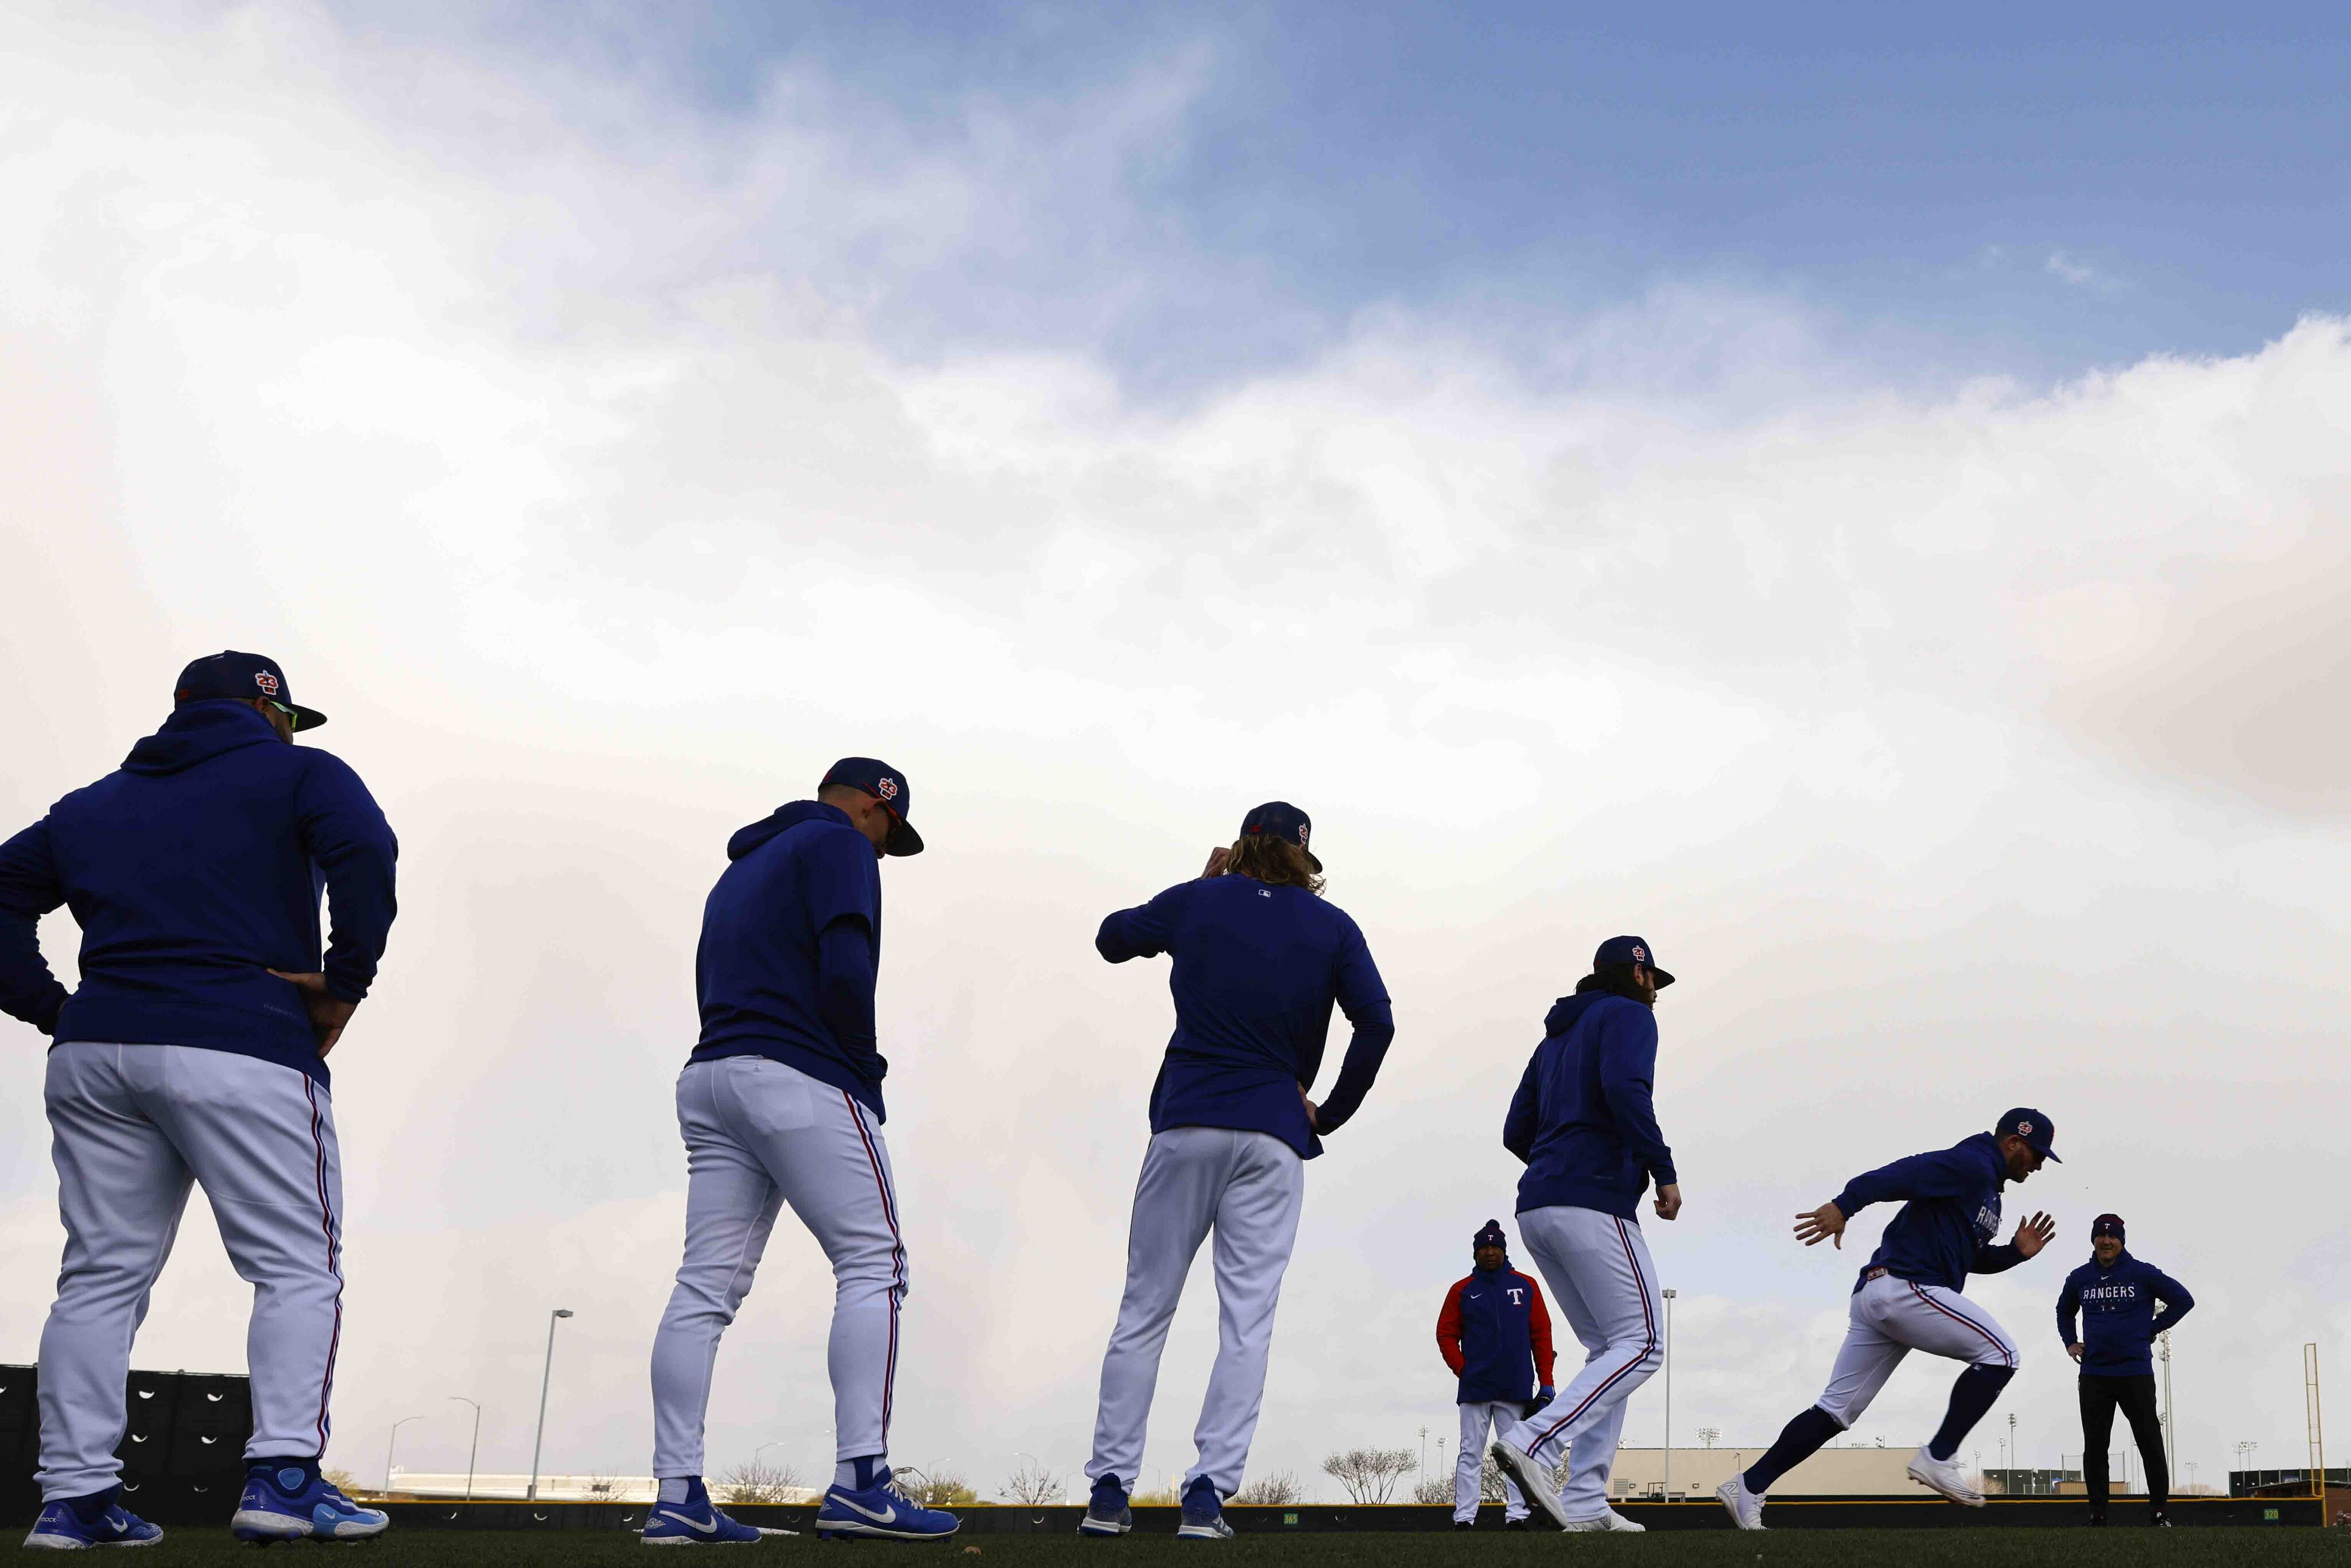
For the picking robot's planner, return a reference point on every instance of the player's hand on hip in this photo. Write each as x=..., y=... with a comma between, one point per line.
x=2074, y=1350
x=328, y=1012
x=1313, y=1112
x=1822, y=1224
x=1669, y=1201
x=2034, y=1234
x=1217, y=858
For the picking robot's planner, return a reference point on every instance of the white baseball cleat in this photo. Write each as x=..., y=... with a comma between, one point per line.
x=1746, y=1508
x=1612, y=1520
x=1534, y=1480
x=1944, y=1476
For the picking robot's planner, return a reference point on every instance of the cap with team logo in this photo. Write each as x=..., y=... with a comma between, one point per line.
x=1492, y=1236
x=1281, y=820
x=1631, y=950
x=2106, y=1225
x=2034, y=1128
x=887, y=785
x=242, y=676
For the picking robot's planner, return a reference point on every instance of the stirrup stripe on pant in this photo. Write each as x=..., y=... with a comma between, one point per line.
x=897, y=1257
x=1991, y=1339
x=1649, y=1328
x=334, y=1260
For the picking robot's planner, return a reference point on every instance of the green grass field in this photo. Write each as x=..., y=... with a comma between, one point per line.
x=2116, y=1548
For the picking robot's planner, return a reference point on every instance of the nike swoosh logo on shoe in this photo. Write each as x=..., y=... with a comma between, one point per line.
x=710, y=1528
x=889, y=1514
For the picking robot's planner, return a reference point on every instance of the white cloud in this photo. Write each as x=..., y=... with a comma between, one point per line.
x=574, y=473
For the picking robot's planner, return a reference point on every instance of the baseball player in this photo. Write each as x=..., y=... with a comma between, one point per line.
x=1258, y=960
x=1909, y=1298
x=1495, y=1335
x=194, y=1050
x=2118, y=1299
x=781, y=1102
x=1585, y=1122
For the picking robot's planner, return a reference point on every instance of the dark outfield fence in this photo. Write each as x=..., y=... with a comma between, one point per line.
x=183, y=1452
x=1791, y=1513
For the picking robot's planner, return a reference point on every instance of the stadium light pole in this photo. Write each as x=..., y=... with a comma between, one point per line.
x=544, y=1374
x=391, y=1444
x=473, y=1452
x=1669, y=1294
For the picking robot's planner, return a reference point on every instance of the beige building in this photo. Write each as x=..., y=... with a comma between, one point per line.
x=1833, y=1472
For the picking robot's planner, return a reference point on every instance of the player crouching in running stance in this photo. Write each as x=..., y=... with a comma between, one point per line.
x=1258, y=960
x=1908, y=1299
x=194, y=1052
x=1583, y=1123
x=781, y=1102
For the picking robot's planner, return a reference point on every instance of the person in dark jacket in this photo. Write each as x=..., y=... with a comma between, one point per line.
x=781, y=1103
x=1584, y=1122
x=1260, y=961
x=2123, y=1304
x=1909, y=1298
x=194, y=1052
x=1494, y=1332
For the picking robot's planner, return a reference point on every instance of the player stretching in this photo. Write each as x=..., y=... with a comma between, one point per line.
x=1908, y=1299
x=781, y=1102
x=1259, y=960
x=1495, y=1337
x=1583, y=1123
x=194, y=1050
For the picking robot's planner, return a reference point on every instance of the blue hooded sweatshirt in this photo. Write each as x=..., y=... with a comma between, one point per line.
x=2117, y=1305
x=1583, y=1119
x=1950, y=1212
x=194, y=869
x=792, y=938
x=1257, y=969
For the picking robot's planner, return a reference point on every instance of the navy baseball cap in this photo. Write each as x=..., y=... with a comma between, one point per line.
x=1631, y=950
x=2034, y=1128
x=2106, y=1225
x=1281, y=820
x=242, y=676
x=887, y=785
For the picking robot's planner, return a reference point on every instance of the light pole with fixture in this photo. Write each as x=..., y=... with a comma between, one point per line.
x=390, y=1445
x=475, y=1451
x=546, y=1373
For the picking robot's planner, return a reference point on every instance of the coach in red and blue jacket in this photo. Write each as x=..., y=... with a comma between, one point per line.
x=1494, y=1332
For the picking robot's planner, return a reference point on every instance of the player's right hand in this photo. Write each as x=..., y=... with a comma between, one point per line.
x=1669, y=1201
x=1216, y=858
x=328, y=1012
x=1822, y=1224
x=2074, y=1350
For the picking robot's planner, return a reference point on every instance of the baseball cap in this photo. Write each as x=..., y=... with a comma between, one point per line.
x=1281, y=820
x=887, y=785
x=242, y=676
x=2034, y=1128
x=2107, y=1225
x=1631, y=950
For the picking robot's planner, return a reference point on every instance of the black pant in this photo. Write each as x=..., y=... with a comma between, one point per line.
x=2136, y=1397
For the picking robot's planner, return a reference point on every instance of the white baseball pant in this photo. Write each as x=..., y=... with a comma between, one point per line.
x=132, y=1127
x=1247, y=1188
x=760, y=1135
x=1891, y=1318
x=1601, y=1278
x=1469, y=1469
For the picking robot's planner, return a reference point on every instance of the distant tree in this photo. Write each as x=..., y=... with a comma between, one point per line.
x=1271, y=1491
x=1033, y=1486
x=932, y=1488
x=756, y=1482
x=1490, y=1478
x=341, y=1481
x=1166, y=1497
x=1370, y=1475
x=1433, y=1490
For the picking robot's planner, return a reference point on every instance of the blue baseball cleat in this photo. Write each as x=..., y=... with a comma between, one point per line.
x=290, y=1502
x=1204, y=1513
x=877, y=1513
x=696, y=1522
x=1106, y=1511
x=62, y=1527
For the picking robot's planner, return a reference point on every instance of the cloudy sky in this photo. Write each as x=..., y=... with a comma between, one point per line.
x=1865, y=509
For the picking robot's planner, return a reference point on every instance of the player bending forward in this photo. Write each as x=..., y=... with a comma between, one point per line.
x=1908, y=1299
x=196, y=1051
x=1584, y=1122
x=1258, y=960
x=781, y=1102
